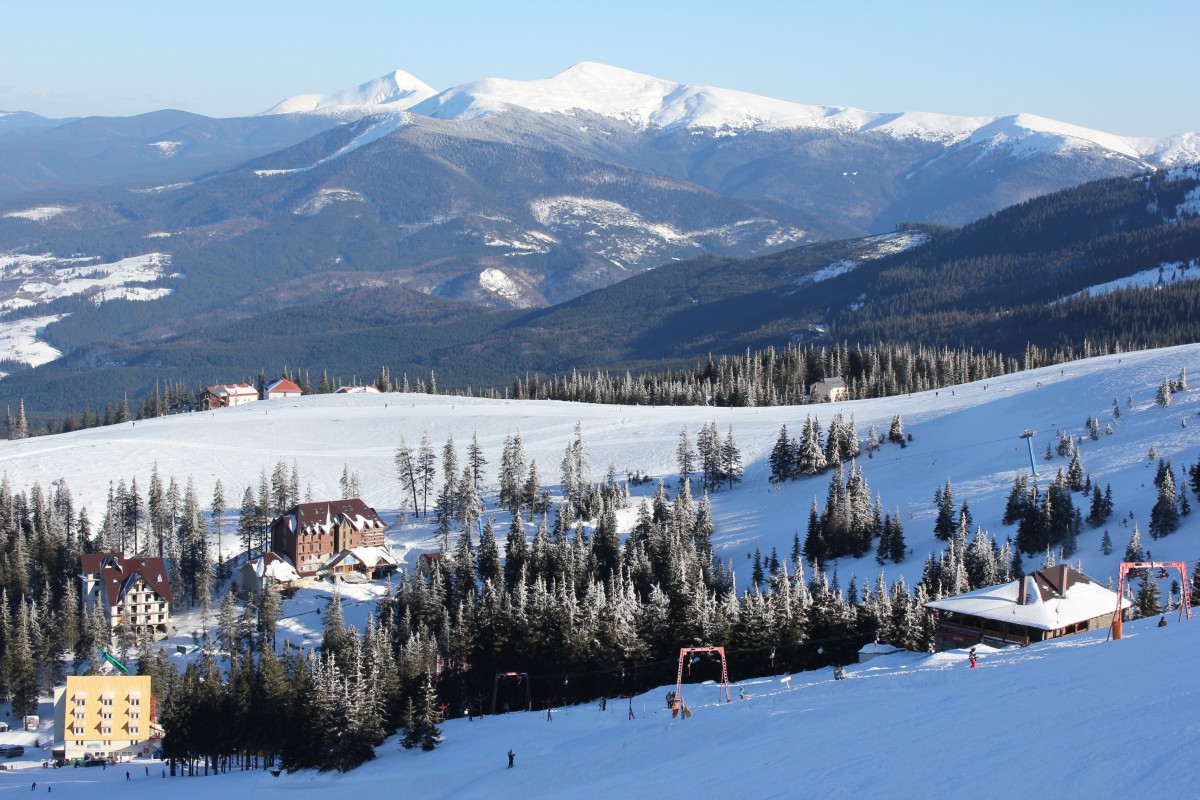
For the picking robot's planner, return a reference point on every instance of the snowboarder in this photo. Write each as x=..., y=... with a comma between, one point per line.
x=34, y=787
x=511, y=756
x=1162, y=622
x=127, y=775
x=971, y=656
x=839, y=673
x=741, y=693
x=549, y=715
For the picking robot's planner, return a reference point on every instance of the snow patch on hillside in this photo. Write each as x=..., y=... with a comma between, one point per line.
x=870, y=249
x=498, y=283
x=38, y=214
x=167, y=148
x=527, y=243
x=1190, y=205
x=371, y=131
x=1164, y=275
x=325, y=197
x=19, y=340
x=36, y=280
x=625, y=237
x=166, y=187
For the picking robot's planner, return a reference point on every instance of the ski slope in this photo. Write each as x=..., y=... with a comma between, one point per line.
x=1088, y=717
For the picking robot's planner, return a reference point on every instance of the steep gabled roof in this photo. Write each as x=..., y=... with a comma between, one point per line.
x=118, y=574
x=321, y=517
x=1048, y=599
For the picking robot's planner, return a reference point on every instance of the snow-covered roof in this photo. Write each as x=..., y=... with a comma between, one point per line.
x=368, y=389
x=321, y=517
x=232, y=390
x=1048, y=599
x=275, y=566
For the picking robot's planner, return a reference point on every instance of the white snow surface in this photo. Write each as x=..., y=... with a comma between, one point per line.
x=655, y=104
x=1123, y=712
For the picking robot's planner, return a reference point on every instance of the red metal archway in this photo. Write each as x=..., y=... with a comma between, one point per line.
x=1146, y=568
x=684, y=652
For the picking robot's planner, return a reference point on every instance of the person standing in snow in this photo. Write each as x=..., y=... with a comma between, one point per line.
x=511, y=756
x=971, y=656
x=741, y=693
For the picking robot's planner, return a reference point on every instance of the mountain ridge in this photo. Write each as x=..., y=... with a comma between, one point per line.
x=651, y=104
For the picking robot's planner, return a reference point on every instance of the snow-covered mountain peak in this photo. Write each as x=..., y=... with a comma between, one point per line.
x=396, y=91
x=655, y=104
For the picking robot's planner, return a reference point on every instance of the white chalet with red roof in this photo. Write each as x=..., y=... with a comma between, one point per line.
x=281, y=389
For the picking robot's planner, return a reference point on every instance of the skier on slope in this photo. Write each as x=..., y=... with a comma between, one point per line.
x=971, y=656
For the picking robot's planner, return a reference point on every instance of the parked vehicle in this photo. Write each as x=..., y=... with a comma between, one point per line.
x=11, y=750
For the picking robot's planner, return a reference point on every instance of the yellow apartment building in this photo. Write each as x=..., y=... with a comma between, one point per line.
x=106, y=715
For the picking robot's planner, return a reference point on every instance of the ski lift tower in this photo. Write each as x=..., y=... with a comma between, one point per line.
x=1028, y=437
x=1146, y=569
x=684, y=652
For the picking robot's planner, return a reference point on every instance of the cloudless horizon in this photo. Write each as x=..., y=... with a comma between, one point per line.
x=1087, y=63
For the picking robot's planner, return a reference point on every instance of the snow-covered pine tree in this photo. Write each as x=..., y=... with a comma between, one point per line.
x=782, y=459
x=685, y=456
x=1133, y=550
x=1164, y=516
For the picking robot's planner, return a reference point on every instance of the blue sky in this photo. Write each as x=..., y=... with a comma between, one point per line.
x=1124, y=68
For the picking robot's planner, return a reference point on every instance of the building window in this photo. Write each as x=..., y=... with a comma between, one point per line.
x=106, y=732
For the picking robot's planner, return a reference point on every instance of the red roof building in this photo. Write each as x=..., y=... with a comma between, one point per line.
x=281, y=390
x=311, y=534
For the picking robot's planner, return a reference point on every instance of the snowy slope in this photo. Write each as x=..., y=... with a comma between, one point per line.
x=1088, y=717
x=655, y=104
x=969, y=436
x=1096, y=719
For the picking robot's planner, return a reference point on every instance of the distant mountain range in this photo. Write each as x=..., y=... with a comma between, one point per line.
x=497, y=194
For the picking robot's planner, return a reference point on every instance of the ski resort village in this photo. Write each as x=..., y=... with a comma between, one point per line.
x=454, y=596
